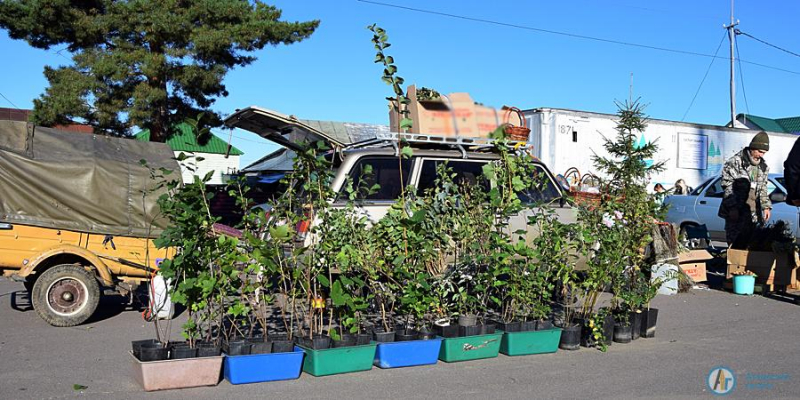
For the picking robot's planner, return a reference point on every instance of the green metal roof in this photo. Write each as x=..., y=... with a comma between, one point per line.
x=791, y=124
x=766, y=124
x=782, y=125
x=184, y=139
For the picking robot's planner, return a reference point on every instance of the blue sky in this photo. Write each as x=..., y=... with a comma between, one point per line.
x=331, y=76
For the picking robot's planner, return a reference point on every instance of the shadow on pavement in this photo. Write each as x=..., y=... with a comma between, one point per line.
x=111, y=306
x=21, y=301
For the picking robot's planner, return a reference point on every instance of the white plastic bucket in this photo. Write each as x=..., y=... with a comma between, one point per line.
x=668, y=273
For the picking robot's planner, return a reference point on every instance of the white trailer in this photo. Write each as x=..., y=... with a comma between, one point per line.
x=693, y=152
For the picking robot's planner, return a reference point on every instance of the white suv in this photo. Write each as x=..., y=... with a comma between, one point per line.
x=464, y=156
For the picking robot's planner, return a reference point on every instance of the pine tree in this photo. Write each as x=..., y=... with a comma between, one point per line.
x=627, y=175
x=146, y=63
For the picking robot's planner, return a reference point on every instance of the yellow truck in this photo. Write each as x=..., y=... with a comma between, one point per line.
x=78, y=215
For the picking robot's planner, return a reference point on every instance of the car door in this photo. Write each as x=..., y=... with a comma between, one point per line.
x=369, y=171
x=707, y=207
x=781, y=210
x=544, y=192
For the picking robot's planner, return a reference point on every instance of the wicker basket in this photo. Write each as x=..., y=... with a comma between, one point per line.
x=586, y=199
x=516, y=132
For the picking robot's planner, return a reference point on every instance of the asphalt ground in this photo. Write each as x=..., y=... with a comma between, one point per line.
x=754, y=336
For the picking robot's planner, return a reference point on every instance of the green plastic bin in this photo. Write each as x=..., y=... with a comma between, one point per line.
x=470, y=347
x=340, y=360
x=530, y=342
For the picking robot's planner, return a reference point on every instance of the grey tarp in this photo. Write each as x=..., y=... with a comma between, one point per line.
x=81, y=182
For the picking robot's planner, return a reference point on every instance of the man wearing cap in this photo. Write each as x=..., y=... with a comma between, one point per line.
x=744, y=180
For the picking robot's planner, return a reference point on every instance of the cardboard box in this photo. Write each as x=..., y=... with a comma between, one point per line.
x=693, y=263
x=457, y=115
x=770, y=268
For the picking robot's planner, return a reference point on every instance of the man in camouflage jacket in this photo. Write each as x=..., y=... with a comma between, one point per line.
x=744, y=180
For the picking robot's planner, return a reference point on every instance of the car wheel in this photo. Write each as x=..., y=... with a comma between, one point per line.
x=682, y=232
x=65, y=295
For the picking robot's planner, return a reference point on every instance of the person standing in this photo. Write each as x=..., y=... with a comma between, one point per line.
x=681, y=188
x=744, y=180
x=791, y=174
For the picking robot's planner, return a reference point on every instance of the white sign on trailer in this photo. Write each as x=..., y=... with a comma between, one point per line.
x=692, y=151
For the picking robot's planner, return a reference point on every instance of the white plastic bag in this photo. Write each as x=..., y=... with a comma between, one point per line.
x=160, y=302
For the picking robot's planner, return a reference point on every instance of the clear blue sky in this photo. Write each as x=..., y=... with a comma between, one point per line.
x=331, y=76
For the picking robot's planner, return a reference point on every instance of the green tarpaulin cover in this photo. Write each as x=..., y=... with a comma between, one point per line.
x=81, y=182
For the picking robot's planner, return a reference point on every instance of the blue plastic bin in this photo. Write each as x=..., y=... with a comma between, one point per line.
x=408, y=354
x=744, y=284
x=263, y=367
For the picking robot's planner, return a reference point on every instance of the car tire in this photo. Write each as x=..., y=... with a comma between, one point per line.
x=65, y=295
x=682, y=232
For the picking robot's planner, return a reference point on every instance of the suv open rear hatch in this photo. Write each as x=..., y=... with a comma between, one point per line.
x=285, y=130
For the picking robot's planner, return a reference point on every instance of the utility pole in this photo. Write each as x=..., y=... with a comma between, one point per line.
x=731, y=37
x=630, y=90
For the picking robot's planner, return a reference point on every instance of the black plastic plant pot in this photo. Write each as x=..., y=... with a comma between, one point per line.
x=347, y=340
x=488, y=329
x=426, y=334
x=608, y=329
x=208, y=350
x=636, y=324
x=180, y=352
x=153, y=352
x=238, y=347
x=622, y=333
x=363, y=338
x=587, y=337
x=543, y=325
x=571, y=337
x=382, y=336
x=136, y=345
x=527, y=326
x=447, y=331
x=648, y=324
x=317, y=343
x=405, y=335
x=467, y=320
x=469, y=330
x=173, y=344
x=281, y=343
x=262, y=347
x=509, y=326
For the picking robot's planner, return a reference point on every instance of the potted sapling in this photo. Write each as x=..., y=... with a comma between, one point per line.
x=194, y=273
x=260, y=276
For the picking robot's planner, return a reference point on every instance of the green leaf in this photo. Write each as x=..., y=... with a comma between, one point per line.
x=78, y=387
x=337, y=294
x=279, y=232
x=407, y=152
x=406, y=123
x=323, y=280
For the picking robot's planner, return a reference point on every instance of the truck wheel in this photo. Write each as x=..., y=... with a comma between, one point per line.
x=65, y=295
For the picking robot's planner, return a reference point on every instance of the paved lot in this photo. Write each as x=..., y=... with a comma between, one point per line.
x=696, y=331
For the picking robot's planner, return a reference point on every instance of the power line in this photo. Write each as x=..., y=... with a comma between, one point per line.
x=572, y=35
x=11, y=102
x=704, y=77
x=741, y=74
x=768, y=44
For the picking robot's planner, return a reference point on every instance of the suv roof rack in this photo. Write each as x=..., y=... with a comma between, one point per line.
x=420, y=139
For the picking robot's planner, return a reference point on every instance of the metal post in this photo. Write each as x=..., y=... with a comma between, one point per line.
x=731, y=38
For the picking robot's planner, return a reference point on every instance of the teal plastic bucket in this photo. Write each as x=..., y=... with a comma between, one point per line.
x=744, y=284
